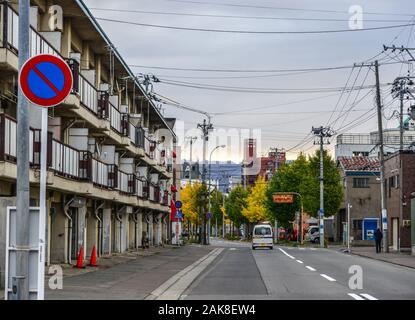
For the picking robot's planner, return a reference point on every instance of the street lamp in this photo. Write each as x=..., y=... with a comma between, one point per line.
x=209, y=193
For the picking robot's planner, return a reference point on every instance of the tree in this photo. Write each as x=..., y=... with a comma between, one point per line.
x=234, y=205
x=303, y=176
x=216, y=203
x=333, y=189
x=257, y=209
x=193, y=198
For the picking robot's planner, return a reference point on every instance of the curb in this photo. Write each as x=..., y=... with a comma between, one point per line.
x=398, y=264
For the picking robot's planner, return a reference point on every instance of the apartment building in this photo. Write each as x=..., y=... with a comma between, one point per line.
x=400, y=200
x=364, y=144
x=110, y=151
x=361, y=183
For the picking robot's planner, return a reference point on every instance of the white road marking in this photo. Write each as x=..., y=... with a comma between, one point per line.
x=232, y=249
x=299, y=261
x=301, y=248
x=288, y=255
x=314, y=249
x=177, y=284
x=355, y=296
x=327, y=277
x=310, y=268
x=368, y=296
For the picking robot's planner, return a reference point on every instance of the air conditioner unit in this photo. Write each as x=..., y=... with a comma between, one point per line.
x=78, y=202
x=104, y=87
x=123, y=108
x=135, y=119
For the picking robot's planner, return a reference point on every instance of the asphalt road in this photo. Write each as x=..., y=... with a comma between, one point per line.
x=297, y=273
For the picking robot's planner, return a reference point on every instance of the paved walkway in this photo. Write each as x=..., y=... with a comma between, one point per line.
x=398, y=258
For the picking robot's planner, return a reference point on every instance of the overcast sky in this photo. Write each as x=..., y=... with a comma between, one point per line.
x=283, y=123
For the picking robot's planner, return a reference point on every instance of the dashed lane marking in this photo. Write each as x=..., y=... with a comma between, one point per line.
x=288, y=255
x=299, y=261
x=368, y=296
x=355, y=296
x=310, y=268
x=327, y=277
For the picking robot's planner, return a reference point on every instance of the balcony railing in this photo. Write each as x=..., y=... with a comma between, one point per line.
x=88, y=95
x=38, y=44
x=8, y=141
x=154, y=193
x=141, y=188
x=65, y=160
x=126, y=182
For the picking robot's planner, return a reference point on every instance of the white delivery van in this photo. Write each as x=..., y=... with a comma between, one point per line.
x=262, y=236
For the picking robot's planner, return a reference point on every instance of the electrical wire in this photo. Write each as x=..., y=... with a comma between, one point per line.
x=286, y=8
x=252, y=31
x=238, y=17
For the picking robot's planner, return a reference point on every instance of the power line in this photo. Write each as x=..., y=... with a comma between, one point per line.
x=285, y=8
x=253, y=70
x=251, y=31
x=238, y=17
x=259, y=90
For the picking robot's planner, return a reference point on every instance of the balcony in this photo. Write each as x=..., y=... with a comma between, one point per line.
x=9, y=36
x=154, y=193
x=70, y=163
x=8, y=141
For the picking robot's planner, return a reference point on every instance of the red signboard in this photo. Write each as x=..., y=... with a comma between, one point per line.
x=283, y=198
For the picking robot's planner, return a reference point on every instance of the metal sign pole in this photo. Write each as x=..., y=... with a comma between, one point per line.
x=42, y=203
x=21, y=281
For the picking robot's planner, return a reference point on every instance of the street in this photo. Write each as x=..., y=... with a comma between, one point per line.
x=232, y=271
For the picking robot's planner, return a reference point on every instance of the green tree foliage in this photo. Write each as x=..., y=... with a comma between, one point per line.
x=302, y=176
x=234, y=205
x=216, y=202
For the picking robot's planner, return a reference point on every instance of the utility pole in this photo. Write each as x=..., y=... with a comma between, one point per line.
x=382, y=162
x=321, y=133
x=21, y=281
x=348, y=226
x=205, y=127
x=191, y=139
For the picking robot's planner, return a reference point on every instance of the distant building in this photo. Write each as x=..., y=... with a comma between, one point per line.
x=254, y=166
x=364, y=144
x=400, y=200
x=361, y=185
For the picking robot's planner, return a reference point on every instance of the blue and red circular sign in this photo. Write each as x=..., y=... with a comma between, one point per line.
x=46, y=80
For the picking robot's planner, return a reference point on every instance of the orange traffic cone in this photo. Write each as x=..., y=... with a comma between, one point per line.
x=93, y=262
x=79, y=262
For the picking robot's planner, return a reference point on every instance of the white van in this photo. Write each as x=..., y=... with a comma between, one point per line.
x=262, y=236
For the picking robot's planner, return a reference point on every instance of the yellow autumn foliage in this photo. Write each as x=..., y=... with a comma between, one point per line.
x=256, y=209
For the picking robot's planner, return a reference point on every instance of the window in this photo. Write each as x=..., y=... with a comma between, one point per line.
x=263, y=231
x=360, y=182
x=357, y=229
x=360, y=153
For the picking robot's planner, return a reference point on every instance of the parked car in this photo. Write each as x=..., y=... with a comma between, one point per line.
x=313, y=234
x=263, y=236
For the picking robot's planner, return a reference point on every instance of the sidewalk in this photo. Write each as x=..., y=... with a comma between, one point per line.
x=398, y=258
x=106, y=262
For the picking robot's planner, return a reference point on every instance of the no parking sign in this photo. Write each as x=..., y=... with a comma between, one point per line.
x=46, y=80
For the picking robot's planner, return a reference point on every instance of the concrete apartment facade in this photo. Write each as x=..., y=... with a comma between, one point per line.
x=110, y=151
x=400, y=200
x=364, y=144
x=361, y=183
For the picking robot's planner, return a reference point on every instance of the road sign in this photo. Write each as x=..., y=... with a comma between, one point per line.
x=46, y=80
x=209, y=215
x=178, y=204
x=179, y=214
x=283, y=198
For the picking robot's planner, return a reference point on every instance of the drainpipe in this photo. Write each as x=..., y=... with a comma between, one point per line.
x=135, y=219
x=100, y=233
x=120, y=221
x=65, y=211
